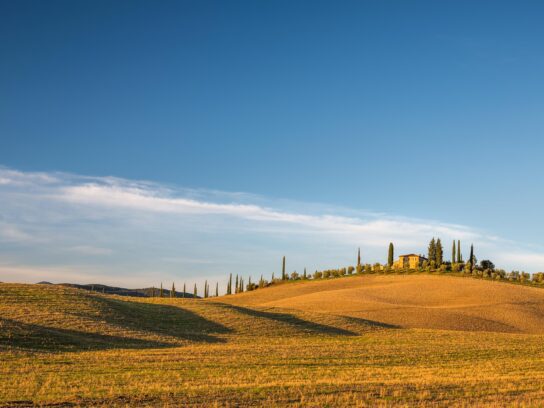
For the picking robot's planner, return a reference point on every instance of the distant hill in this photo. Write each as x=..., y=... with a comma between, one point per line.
x=411, y=301
x=113, y=290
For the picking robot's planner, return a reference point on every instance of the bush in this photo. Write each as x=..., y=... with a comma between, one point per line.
x=377, y=268
x=368, y=268
x=359, y=269
x=350, y=270
x=538, y=277
x=318, y=275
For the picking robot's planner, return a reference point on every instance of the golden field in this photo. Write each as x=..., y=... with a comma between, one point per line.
x=388, y=340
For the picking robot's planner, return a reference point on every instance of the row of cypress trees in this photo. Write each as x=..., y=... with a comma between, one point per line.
x=435, y=258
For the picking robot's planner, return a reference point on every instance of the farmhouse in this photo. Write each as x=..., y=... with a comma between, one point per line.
x=411, y=261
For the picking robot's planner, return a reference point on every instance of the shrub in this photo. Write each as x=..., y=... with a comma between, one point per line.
x=377, y=268
x=538, y=277
x=350, y=270
x=368, y=268
x=359, y=269
x=318, y=275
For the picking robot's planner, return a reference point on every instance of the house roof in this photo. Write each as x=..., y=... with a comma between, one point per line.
x=402, y=256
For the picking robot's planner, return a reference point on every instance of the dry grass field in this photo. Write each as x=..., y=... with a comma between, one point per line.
x=359, y=341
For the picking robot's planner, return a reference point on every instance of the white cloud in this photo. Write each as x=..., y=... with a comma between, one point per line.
x=138, y=230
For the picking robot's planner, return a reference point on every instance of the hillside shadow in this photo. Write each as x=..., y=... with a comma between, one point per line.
x=34, y=337
x=165, y=320
x=292, y=320
x=371, y=323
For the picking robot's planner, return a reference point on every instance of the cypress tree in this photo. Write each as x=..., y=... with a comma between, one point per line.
x=459, y=256
x=304, y=276
x=391, y=254
x=237, y=286
x=359, y=257
x=432, y=251
x=272, y=276
x=183, y=290
x=216, y=289
x=283, y=275
x=205, y=289
x=161, y=294
x=470, y=262
x=229, y=285
x=173, y=291
x=453, y=252
x=439, y=257
x=195, y=293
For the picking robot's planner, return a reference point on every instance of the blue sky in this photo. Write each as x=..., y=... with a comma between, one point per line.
x=368, y=111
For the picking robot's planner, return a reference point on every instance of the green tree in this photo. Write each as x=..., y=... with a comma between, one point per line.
x=391, y=254
x=359, y=257
x=161, y=293
x=195, y=293
x=470, y=262
x=459, y=256
x=283, y=274
x=229, y=285
x=183, y=290
x=439, y=254
x=205, y=289
x=304, y=276
x=237, y=285
x=453, y=253
x=173, y=291
x=431, y=252
x=216, y=289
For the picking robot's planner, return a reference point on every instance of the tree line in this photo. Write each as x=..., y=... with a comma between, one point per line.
x=434, y=262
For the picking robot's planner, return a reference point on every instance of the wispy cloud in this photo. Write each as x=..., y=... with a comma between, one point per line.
x=133, y=230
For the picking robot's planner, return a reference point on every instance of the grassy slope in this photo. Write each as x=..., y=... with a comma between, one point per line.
x=60, y=345
x=413, y=301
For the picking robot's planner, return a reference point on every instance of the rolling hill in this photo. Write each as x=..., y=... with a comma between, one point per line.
x=358, y=341
x=412, y=301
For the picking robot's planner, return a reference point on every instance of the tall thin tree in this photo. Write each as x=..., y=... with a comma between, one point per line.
x=453, y=252
x=431, y=252
x=216, y=289
x=173, y=291
x=283, y=275
x=470, y=262
x=359, y=257
x=439, y=257
x=161, y=293
x=183, y=290
x=391, y=254
x=195, y=293
x=459, y=255
x=237, y=286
